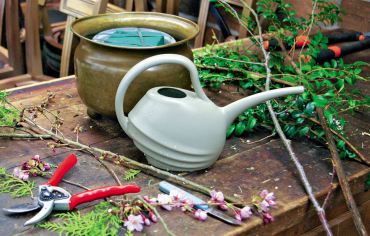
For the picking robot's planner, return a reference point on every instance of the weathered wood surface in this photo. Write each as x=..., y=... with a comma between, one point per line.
x=242, y=170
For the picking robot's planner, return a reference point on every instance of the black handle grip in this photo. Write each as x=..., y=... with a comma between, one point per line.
x=343, y=37
x=355, y=47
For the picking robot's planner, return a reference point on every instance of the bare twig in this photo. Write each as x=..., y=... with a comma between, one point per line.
x=342, y=176
x=314, y=4
x=24, y=136
x=331, y=187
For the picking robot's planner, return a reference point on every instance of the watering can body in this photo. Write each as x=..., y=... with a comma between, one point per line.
x=178, y=129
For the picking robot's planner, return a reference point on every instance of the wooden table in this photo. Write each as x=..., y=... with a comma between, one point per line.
x=243, y=169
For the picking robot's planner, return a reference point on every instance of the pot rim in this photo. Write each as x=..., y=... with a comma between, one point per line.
x=136, y=13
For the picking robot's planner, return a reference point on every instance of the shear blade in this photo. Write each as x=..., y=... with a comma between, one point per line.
x=22, y=208
x=46, y=209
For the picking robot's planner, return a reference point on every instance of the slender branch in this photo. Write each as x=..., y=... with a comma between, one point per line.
x=68, y=182
x=314, y=4
x=342, y=176
x=24, y=136
x=240, y=61
x=331, y=188
x=168, y=231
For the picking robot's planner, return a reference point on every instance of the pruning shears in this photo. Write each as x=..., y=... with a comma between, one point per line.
x=357, y=42
x=51, y=197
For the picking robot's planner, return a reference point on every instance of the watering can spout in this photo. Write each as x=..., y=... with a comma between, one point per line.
x=234, y=109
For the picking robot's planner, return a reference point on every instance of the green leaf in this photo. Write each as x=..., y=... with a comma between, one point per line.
x=240, y=128
x=251, y=123
x=303, y=131
x=230, y=130
x=131, y=174
x=320, y=101
x=310, y=107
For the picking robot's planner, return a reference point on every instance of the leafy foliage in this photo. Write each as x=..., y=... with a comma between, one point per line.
x=14, y=186
x=96, y=222
x=8, y=115
x=328, y=85
x=131, y=174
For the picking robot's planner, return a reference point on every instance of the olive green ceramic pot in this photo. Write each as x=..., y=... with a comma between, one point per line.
x=99, y=68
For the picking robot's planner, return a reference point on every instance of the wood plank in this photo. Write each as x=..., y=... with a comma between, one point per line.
x=202, y=23
x=2, y=10
x=67, y=47
x=141, y=5
x=33, y=51
x=343, y=224
x=129, y=5
x=246, y=13
x=160, y=5
x=12, y=39
x=173, y=7
x=12, y=81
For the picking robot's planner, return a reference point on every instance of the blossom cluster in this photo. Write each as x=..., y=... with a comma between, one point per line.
x=218, y=198
x=136, y=219
x=137, y=222
x=176, y=199
x=264, y=202
x=33, y=167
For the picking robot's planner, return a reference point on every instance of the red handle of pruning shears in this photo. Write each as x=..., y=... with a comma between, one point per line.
x=94, y=194
x=62, y=169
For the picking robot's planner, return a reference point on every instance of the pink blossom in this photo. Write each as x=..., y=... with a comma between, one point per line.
x=146, y=221
x=186, y=203
x=217, y=196
x=200, y=215
x=165, y=200
x=153, y=217
x=272, y=203
x=24, y=176
x=46, y=166
x=264, y=205
x=223, y=207
x=264, y=193
x=21, y=174
x=176, y=197
x=246, y=212
x=267, y=218
x=150, y=200
x=270, y=197
x=238, y=216
x=16, y=171
x=36, y=158
x=134, y=223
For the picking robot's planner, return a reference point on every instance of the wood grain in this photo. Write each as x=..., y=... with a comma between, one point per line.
x=33, y=51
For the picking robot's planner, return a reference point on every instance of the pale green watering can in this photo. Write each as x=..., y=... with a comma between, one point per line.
x=177, y=129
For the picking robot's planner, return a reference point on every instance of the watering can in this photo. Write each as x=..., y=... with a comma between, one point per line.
x=178, y=129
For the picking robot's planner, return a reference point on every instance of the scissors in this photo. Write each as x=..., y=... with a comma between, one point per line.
x=51, y=197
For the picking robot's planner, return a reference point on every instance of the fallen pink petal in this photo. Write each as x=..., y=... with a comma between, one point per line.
x=134, y=223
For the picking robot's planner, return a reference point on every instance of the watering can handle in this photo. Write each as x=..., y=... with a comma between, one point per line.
x=146, y=64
